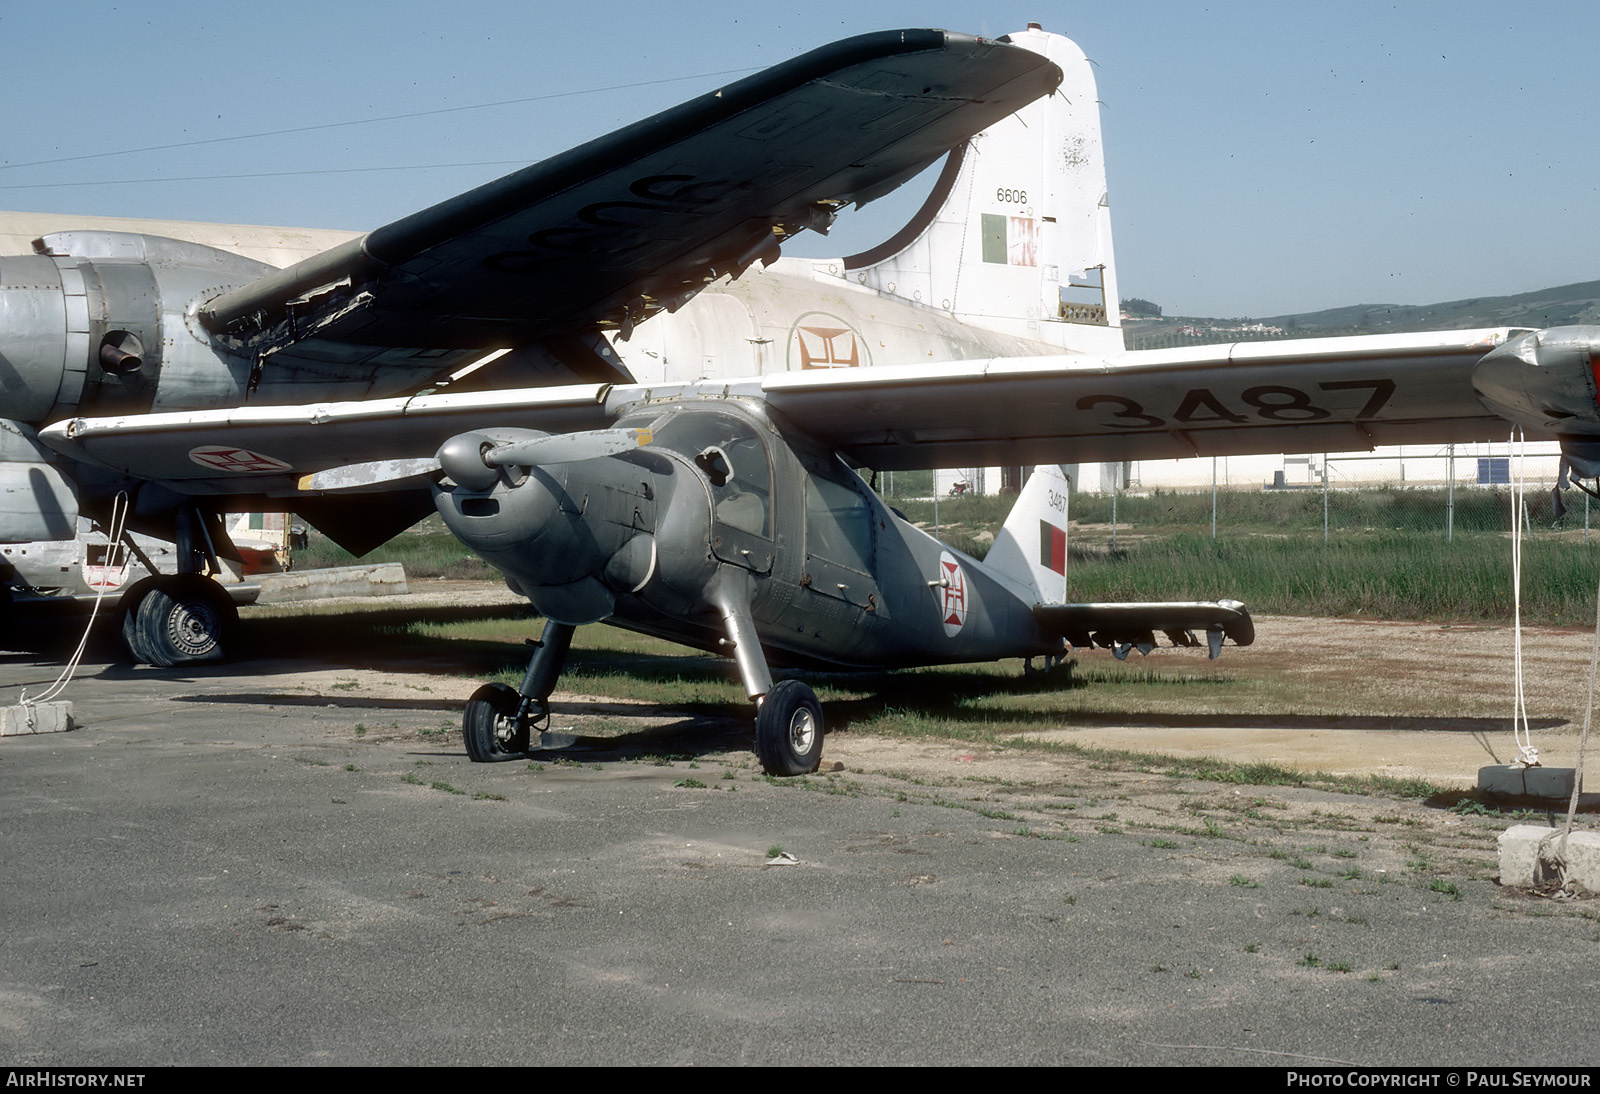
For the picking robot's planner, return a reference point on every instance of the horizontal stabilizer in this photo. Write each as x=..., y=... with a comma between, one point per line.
x=1124, y=627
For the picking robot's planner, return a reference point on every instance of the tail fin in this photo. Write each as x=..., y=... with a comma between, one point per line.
x=1031, y=548
x=1016, y=235
x=1031, y=553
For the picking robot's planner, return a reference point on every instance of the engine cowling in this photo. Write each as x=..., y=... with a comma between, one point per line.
x=1546, y=381
x=93, y=321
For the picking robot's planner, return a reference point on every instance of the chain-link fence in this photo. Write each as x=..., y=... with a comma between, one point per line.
x=1455, y=490
x=1448, y=491
x=1397, y=534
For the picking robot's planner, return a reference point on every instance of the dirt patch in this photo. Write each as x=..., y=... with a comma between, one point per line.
x=1411, y=700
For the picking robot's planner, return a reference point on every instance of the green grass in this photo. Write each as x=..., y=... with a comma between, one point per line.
x=1388, y=508
x=1386, y=556
x=988, y=704
x=1387, y=575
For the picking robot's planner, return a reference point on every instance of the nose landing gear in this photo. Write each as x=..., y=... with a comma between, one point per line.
x=498, y=723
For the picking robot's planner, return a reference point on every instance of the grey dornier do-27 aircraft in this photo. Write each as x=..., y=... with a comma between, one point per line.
x=723, y=513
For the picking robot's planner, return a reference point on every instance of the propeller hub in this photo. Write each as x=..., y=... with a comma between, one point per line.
x=462, y=459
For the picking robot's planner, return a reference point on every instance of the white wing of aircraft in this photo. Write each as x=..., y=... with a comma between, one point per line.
x=1331, y=394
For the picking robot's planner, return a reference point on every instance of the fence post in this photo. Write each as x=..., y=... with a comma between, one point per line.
x=1116, y=481
x=1324, y=499
x=1213, y=497
x=1450, y=497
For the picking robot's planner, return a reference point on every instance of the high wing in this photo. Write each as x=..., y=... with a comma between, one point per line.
x=1330, y=394
x=613, y=231
x=1309, y=395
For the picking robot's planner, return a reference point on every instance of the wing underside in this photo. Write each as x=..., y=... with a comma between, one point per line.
x=1313, y=395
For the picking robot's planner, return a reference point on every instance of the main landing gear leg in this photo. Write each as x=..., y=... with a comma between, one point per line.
x=788, y=716
x=498, y=721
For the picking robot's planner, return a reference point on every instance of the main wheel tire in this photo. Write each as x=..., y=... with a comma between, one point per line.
x=184, y=619
x=128, y=607
x=132, y=639
x=489, y=727
x=789, y=730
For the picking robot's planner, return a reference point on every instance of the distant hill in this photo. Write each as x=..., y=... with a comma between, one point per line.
x=1554, y=307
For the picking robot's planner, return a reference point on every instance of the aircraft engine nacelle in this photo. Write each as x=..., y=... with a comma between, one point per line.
x=1545, y=380
x=100, y=322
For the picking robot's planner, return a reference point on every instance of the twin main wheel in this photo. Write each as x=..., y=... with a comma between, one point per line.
x=788, y=728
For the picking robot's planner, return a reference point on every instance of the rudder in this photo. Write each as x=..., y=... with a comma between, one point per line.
x=1031, y=548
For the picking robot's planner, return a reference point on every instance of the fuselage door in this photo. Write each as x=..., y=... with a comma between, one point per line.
x=840, y=532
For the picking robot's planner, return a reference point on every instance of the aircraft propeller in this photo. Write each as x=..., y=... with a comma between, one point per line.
x=474, y=460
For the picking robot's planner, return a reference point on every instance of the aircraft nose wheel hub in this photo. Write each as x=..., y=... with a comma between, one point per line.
x=490, y=726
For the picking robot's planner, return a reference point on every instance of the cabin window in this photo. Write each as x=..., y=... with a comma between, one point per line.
x=838, y=523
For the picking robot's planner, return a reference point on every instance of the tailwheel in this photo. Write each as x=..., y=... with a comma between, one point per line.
x=491, y=728
x=181, y=619
x=789, y=730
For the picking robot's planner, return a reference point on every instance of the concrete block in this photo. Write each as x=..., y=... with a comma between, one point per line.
x=378, y=579
x=1526, y=851
x=51, y=717
x=1507, y=781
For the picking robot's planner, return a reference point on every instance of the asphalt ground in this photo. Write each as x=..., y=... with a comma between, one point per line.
x=290, y=860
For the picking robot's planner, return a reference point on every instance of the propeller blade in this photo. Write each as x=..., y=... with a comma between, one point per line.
x=567, y=447
x=354, y=476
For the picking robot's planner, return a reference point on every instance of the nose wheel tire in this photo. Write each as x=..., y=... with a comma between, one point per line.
x=789, y=730
x=490, y=727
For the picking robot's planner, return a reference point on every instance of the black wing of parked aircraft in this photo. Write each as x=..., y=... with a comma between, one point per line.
x=607, y=234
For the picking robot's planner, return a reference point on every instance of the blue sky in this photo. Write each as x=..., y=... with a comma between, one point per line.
x=1263, y=157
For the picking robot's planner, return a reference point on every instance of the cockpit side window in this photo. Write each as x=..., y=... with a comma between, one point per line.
x=733, y=458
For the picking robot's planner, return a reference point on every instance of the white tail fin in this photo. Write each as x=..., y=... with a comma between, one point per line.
x=1016, y=235
x=1031, y=549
